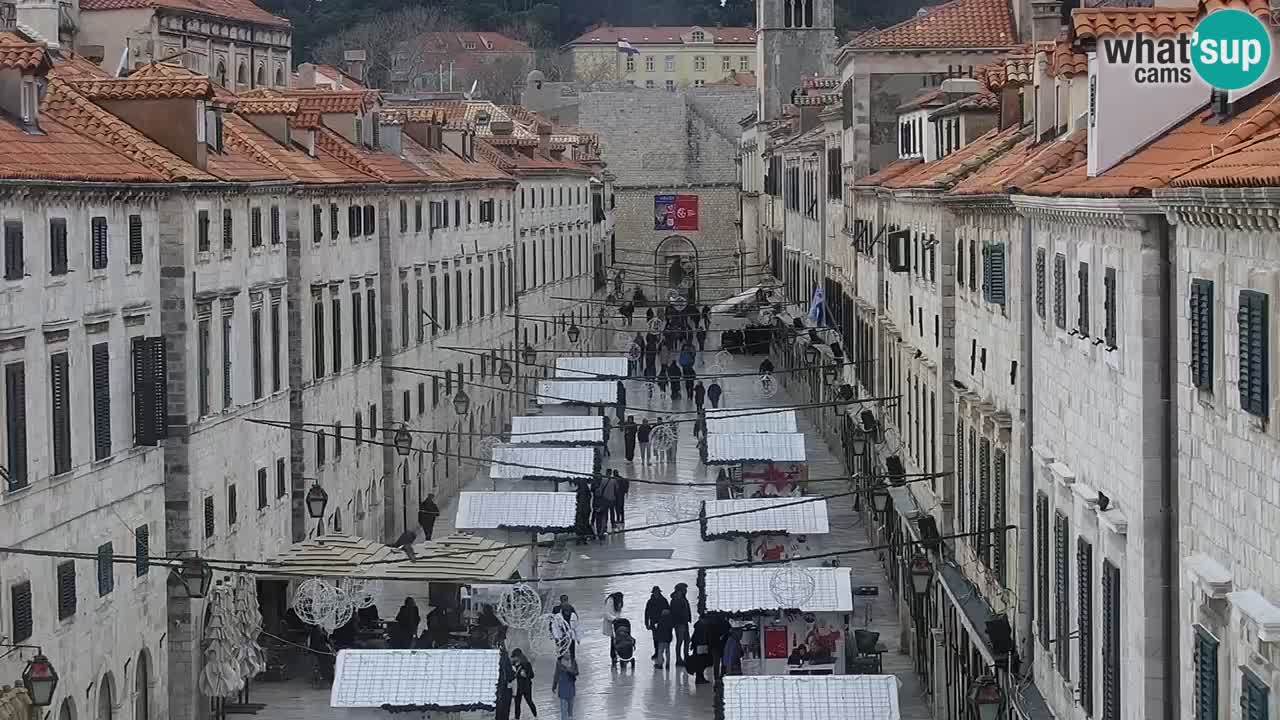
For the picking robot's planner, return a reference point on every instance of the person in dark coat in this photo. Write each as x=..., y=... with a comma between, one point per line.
x=702, y=339
x=690, y=377
x=620, y=504
x=706, y=316
x=717, y=633
x=606, y=494
x=700, y=425
x=699, y=394
x=766, y=367
x=686, y=355
x=701, y=650
x=408, y=620
x=662, y=632
x=524, y=681
x=506, y=677
x=648, y=315
x=681, y=616
x=673, y=372
x=582, y=517
x=608, y=428
x=642, y=435
x=713, y=393
x=621, y=410
x=627, y=311
x=629, y=431
x=722, y=485
x=427, y=514
x=662, y=380
x=652, y=612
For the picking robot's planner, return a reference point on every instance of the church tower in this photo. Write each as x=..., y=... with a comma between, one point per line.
x=795, y=39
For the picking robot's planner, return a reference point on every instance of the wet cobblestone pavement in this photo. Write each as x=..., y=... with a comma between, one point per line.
x=647, y=693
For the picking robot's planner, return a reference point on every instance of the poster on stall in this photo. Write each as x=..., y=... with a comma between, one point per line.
x=675, y=212
x=775, y=643
x=774, y=479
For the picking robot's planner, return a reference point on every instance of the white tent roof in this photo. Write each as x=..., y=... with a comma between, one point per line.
x=438, y=679
x=765, y=516
x=493, y=510
x=541, y=461
x=848, y=697
x=750, y=589
x=724, y=448
x=592, y=368
x=751, y=421
x=731, y=304
x=538, y=429
x=583, y=392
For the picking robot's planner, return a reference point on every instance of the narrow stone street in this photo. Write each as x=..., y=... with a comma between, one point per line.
x=646, y=692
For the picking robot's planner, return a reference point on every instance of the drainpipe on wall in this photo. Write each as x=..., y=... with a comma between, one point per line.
x=1026, y=510
x=1169, y=494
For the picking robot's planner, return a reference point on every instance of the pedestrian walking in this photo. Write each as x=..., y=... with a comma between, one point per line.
x=690, y=376
x=701, y=653
x=675, y=442
x=706, y=316
x=699, y=394
x=648, y=315
x=673, y=373
x=662, y=380
x=629, y=431
x=612, y=613
x=642, y=435
x=686, y=355
x=608, y=428
x=506, y=681
x=713, y=393
x=605, y=496
x=408, y=618
x=653, y=610
x=681, y=616
x=622, y=401
x=565, y=685
x=620, y=507
x=766, y=367
x=571, y=626
x=662, y=632
x=700, y=426
x=702, y=339
x=427, y=514
x=524, y=681
x=582, y=516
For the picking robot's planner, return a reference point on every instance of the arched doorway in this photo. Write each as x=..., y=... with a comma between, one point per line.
x=279, y=77
x=142, y=688
x=107, y=697
x=67, y=711
x=221, y=74
x=260, y=79
x=675, y=264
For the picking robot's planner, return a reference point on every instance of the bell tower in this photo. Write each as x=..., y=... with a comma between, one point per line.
x=795, y=39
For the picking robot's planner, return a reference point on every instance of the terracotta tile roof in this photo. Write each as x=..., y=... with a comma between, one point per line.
x=949, y=171
x=267, y=106
x=1025, y=163
x=305, y=121
x=494, y=156
x=1093, y=23
x=62, y=153
x=927, y=98
x=70, y=66
x=956, y=24
x=380, y=165
x=738, y=78
x=663, y=35
x=1065, y=61
x=1170, y=156
x=325, y=101
x=16, y=53
x=994, y=76
x=243, y=159
x=134, y=88
x=445, y=166
x=1020, y=67
x=888, y=172
x=243, y=10
x=1251, y=164
x=977, y=102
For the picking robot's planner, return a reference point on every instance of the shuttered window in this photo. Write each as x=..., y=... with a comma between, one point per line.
x=359, y=433
x=101, y=401
x=150, y=391
x=317, y=224
x=203, y=342
x=142, y=550
x=59, y=387
x=1110, y=312
x=15, y=410
x=1253, y=318
x=276, y=339
x=371, y=313
x=58, y=246
x=959, y=262
x=228, y=238
x=421, y=327
x=255, y=351
x=999, y=540
x=369, y=224
x=982, y=543
x=106, y=570
x=353, y=221
x=993, y=273
x=66, y=589
x=1060, y=290
x=1082, y=300
x=1042, y=568
x=1200, y=316
x=1040, y=262
x=357, y=335
x=457, y=293
x=335, y=313
x=404, y=216
x=1062, y=618
x=1084, y=622
x=282, y=479
x=233, y=506
x=333, y=221
x=417, y=216
x=960, y=477
x=135, y=239
x=337, y=440
x=14, y=254
x=255, y=227
x=1253, y=697
x=973, y=484
x=227, y=386
x=1205, y=666
x=209, y=527
x=317, y=335
x=404, y=314
x=20, y=611
x=202, y=230
x=275, y=225
x=262, y=488
x=98, y=242
x=1111, y=688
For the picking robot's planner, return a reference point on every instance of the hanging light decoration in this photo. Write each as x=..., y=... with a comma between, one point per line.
x=634, y=352
x=679, y=302
x=986, y=697
x=519, y=607
x=792, y=586
x=921, y=574
x=831, y=372
x=41, y=680
x=657, y=325
x=403, y=441
x=462, y=402
x=662, y=438
x=810, y=355
x=573, y=333
x=505, y=373
x=196, y=576
x=767, y=386
x=530, y=355
x=316, y=501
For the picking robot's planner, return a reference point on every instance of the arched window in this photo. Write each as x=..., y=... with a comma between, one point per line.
x=242, y=75
x=67, y=711
x=107, y=697
x=221, y=75
x=786, y=20
x=142, y=688
x=808, y=13
x=279, y=77
x=262, y=76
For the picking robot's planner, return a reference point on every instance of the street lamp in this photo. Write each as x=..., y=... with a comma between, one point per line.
x=921, y=574
x=986, y=697
x=530, y=355
x=880, y=500
x=403, y=441
x=831, y=373
x=316, y=501
x=40, y=680
x=505, y=373
x=869, y=423
x=461, y=402
x=574, y=333
x=810, y=355
x=858, y=441
x=196, y=576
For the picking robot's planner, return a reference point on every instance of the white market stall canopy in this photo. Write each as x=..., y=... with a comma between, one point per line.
x=821, y=697
x=557, y=429
x=733, y=448
x=446, y=681
x=541, y=462
x=751, y=421
x=592, y=368
x=577, y=392
x=763, y=516
x=542, y=511
x=746, y=591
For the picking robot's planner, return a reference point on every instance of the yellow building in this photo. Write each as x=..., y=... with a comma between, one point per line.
x=667, y=57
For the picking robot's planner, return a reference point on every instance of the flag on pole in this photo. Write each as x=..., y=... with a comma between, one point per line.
x=627, y=48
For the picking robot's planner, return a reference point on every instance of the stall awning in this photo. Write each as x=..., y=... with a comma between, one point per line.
x=577, y=392
x=735, y=302
x=557, y=429
x=751, y=421
x=458, y=558
x=541, y=511
x=769, y=697
x=592, y=368
x=540, y=462
x=763, y=516
x=446, y=681
x=748, y=591
x=731, y=448
x=327, y=556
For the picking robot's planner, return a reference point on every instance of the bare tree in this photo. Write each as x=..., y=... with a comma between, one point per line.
x=392, y=43
x=500, y=79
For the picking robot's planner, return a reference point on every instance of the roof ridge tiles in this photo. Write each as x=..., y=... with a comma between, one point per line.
x=954, y=24
x=330, y=143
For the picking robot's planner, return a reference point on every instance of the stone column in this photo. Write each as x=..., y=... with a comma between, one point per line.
x=392, y=516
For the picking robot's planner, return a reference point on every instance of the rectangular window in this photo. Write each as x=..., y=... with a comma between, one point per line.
x=233, y=506
x=337, y=440
x=209, y=527
x=275, y=225
x=101, y=354
x=15, y=410
x=369, y=222
x=226, y=360
x=58, y=246
x=373, y=421
x=21, y=611
x=1060, y=290
x=317, y=336
x=98, y=243
x=282, y=478
x=960, y=477
x=1062, y=618
x=353, y=221
x=435, y=326
x=1110, y=321
x=320, y=449
x=457, y=297
x=255, y=351
x=1200, y=316
x=150, y=390
x=317, y=224
x=371, y=312
x=417, y=216
x=202, y=351
x=999, y=538
x=404, y=314
x=993, y=273
x=404, y=216
x=357, y=328
x=141, y=550
x=333, y=221
x=1084, y=623
x=66, y=589
x=649, y=62
x=255, y=227
x=135, y=239
x=106, y=571
x=1111, y=600
x=1254, y=697
x=422, y=398
x=1042, y=569
x=1255, y=353
x=262, y=488
x=669, y=64
x=335, y=319
x=982, y=543
x=276, y=339
x=202, y=230
x=228, y=239
x=418, y=317
x=744, y=63
x=1082, y=299
x=1040, y=294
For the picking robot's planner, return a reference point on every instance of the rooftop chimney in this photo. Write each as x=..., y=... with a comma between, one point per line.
x=306, y=76
x=39, y=18
x=355, y=61
x=544, y=138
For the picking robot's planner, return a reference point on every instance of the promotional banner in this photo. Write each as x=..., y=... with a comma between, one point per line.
x=675, y=212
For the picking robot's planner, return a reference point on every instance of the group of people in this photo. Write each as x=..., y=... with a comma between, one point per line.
x=602, y=505
x=709, y=644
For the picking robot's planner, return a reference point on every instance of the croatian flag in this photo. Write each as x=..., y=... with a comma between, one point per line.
x=626, y=47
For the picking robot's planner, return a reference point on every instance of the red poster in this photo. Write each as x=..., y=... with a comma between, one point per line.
x=775, y=643
x=686, y=212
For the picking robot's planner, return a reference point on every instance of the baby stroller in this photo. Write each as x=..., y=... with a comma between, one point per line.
x=623, y=644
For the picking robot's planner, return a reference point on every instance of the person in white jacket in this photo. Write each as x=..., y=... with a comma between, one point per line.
x=612, y=613
x=566, y=622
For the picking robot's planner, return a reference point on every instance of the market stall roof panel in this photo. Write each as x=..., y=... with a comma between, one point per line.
x=577, y=392
x=543, y=511
x=726, y=421
x=592, y=368
x=458, y=558
x=431, y=680
x=327, y=556
x=746, y=591
x=849, y=697
x=557, y=429
x=541, y=462
x=731, y=448
x=763, y=516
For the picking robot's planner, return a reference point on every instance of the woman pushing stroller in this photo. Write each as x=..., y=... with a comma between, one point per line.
x=622, y=645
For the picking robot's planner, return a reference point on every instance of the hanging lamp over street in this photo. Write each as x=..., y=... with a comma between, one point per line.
x=403, y=441
x=316, y=501
x=41, y=680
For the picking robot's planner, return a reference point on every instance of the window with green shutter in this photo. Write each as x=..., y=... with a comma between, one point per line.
x=1110, y=330
x=993, y=274
x=960, y=489
x=101, y=354
x=1042, y=568
x=1060, y=290
x=1040, y=262
x=1254, y=353
x=1205, y=664
x=973, y=482
x=135, y=239
x=66, y=589
x=1084, y=622
x=1082, y=299
x=1253, y=697
x=142, y=550
x=982, y=543
x=999, y=539
x=1062, y=617
x=15, y=409
x=1111, y=688
x=1200, y=316
x=106, y=571
x=98, y=243
x=21, y=612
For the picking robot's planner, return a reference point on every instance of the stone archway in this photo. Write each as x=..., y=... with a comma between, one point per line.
x=67, y=711
x=107, y=697
x=142, y=688
x=675, y=266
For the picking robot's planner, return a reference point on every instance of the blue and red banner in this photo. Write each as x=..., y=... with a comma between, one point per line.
x=675, y=212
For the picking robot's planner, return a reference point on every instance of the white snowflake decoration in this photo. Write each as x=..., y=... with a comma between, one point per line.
x=720, y=362
x=484, y=450
x=766, y=315
x=519, y=607
x=634, y=351
x=657, y=325
x=658, y=519
x=561, y=633
x=662, y=438
x=679, y=302
x=767, y=386
x=792, y=586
